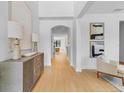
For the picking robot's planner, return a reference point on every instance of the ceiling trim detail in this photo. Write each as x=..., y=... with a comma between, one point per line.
x=85, y=9
x=55, y=18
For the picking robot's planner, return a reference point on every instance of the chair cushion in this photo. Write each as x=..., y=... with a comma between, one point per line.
x=115, y=63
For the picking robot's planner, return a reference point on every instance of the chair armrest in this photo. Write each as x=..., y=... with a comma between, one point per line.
x=105, y=67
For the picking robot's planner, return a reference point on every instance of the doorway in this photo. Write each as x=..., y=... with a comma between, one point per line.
x=60, y=41
x=60, y=44
x=121, y=42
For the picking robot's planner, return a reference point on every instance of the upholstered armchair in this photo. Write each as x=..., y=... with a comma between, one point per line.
x=112, y=68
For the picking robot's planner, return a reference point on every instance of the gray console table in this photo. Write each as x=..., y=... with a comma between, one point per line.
x=21, y=75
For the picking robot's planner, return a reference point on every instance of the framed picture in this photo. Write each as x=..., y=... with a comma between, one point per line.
x=96, y=31
x=96, y=48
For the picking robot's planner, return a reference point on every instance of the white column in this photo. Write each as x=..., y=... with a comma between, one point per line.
x=4, y=48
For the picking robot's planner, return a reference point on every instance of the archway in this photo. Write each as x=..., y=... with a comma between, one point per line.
x=60, y=40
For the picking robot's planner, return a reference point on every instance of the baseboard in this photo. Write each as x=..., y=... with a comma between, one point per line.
x=78, y=69
x=71, y=64
x=89, y=68
x=47, y=64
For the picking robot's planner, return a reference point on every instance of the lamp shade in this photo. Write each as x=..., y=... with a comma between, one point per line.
x=34, y=37
x=14, y=30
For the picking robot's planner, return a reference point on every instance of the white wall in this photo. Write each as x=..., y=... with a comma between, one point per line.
x=111, y=22
x=4, y=47
x=35, y=16
x=56, y=9
x=22, y=14
x=45, y=36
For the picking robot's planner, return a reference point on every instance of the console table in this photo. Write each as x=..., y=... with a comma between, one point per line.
x=21, y=75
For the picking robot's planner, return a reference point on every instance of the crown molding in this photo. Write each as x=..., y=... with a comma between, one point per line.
x=55, y=18
x=85, y=9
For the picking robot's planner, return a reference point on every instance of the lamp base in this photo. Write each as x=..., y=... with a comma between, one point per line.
x=16, y=49
x=35, y=47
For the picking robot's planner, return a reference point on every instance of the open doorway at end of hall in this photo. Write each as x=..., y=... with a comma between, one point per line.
x=60, y=38
x=60, y=45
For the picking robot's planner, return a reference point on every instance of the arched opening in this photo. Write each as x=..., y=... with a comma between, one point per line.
x=60, y=40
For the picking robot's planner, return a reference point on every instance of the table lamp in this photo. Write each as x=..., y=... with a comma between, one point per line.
x=15, y=33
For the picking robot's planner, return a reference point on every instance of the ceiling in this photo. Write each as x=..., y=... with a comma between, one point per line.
x=99, y=7
x=56, y=9
x=64, y=9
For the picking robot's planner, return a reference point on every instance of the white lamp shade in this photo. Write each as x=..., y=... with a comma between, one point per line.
x=14, y=30
x=34, y=37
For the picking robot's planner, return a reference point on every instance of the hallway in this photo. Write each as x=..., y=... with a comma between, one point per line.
x=62, y=77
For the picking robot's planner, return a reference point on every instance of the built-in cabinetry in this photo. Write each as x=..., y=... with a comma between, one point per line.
x=38, y=67
x=21, y=75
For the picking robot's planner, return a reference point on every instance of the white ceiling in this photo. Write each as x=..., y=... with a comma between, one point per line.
x=66, y=8
x=55, y=8
x=106, y=7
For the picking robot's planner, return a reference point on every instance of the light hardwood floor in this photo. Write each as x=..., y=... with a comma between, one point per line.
x=62, y=77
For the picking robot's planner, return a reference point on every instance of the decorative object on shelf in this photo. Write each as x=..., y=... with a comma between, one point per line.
x=35, y=42
x=97, y=31
x=15, y=35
